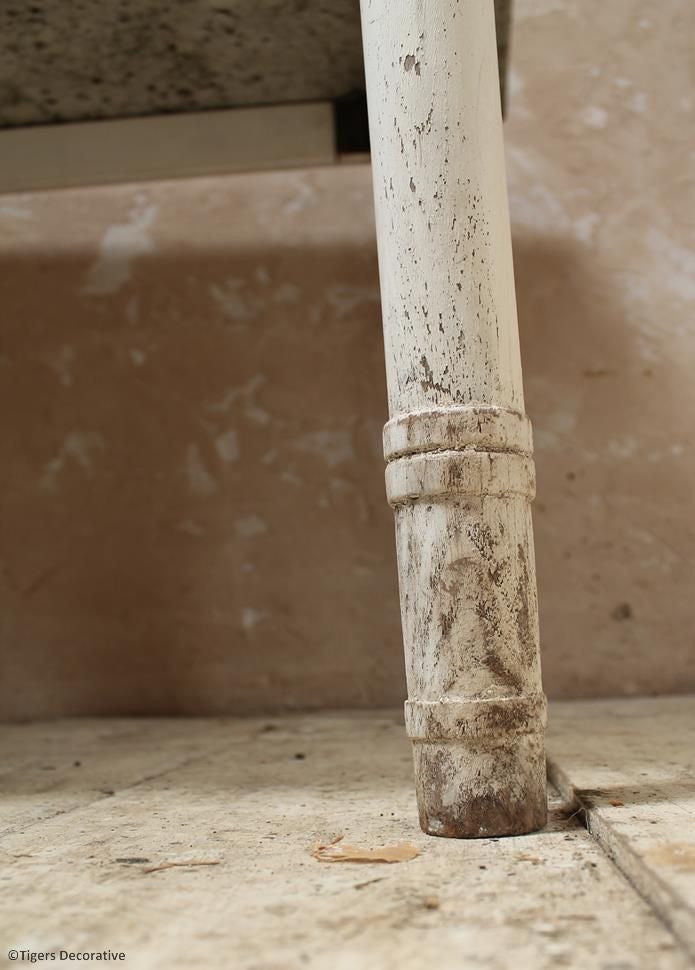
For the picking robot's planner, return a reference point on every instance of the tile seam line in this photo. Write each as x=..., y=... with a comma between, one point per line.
x=192, y=759
x=617, y=850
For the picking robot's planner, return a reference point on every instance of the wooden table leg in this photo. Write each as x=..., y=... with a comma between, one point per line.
x=458, y=444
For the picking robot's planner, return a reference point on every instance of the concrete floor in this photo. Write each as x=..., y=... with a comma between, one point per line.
x=92, y=811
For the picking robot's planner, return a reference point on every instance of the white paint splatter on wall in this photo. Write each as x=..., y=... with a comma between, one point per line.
x=250, y=525
x=345, y=298
x=593, y=116
x=622, y=448
x=676, y=264
x=78, y=446
x=190, y=528
x=287, y=293
x=334, y=447
x=246, y=393
x=200, y=481
x=234, y=302
x=585, y=225
x=303, y=195
x=638, y=102
x=550, y=428
x=62, y=363
x=227, y=445
x=120, y=246
x=250, y=618
x=290, y=477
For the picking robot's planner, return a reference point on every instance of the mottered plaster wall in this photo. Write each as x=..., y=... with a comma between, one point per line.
x=192, y=511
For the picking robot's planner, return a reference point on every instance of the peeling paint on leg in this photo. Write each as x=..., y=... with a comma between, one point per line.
x=460, y=473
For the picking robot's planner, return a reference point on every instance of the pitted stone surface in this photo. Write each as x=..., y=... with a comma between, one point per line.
x=85, y=59
x=128, y=795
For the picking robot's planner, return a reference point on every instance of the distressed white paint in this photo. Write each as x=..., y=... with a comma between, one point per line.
x=460, y=474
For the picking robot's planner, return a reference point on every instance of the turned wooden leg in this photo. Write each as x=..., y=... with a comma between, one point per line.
x=458, y=445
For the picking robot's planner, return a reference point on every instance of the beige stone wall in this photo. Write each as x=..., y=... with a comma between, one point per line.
x=602, y=185
x=192, y=512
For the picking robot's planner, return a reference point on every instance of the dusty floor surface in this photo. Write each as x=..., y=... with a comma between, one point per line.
x=89, y=808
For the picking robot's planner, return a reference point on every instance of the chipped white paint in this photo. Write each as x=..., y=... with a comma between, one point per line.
x=460, y=474
x=120, y=246
x=137, y=356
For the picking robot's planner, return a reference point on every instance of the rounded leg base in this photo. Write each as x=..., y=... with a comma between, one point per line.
x=481, y=789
